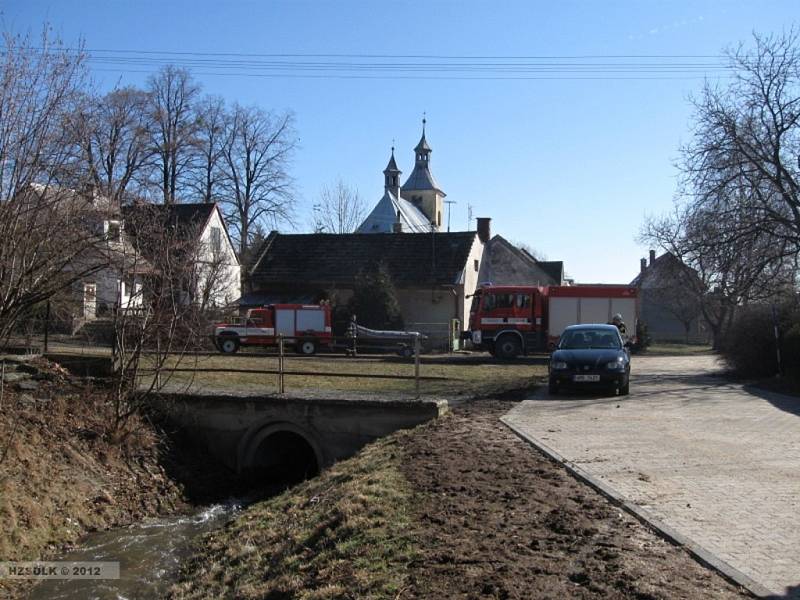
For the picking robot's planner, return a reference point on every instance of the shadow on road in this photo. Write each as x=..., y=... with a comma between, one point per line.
x=790, y=404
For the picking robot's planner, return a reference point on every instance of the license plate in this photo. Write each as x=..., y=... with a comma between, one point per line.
x=586, y=378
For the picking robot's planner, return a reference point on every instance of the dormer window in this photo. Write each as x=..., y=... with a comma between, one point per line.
x=112, y=231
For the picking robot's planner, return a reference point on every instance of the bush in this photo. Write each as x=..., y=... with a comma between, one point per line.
x=374, y=300
x=749, y=345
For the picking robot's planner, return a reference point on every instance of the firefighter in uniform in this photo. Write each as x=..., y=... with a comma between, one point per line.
x=620, y=324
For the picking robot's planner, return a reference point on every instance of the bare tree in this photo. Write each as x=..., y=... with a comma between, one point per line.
x=158, y=324
x=112, y=134
x=45, y=243
x=746, y=139
x=340, y=209
x=212, y=123
x=257, y=184
x=173, y=93
x=724, y=269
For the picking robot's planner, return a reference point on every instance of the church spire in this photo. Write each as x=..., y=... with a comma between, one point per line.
x=423, y=150
x=391, y=177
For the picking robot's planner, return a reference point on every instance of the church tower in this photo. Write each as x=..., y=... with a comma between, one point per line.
x=391, y=177
x=421, y=188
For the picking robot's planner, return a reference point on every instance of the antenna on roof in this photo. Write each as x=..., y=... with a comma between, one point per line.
x=469, y=216
x=449, y=210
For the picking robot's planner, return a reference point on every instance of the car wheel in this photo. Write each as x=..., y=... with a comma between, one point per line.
x=229, y=345
x=508, y=346
x=624, y=390
x=405, y=351
x=307, y=347
x=552, y=388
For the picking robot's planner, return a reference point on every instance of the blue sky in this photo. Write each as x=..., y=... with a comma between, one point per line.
x=570, y=167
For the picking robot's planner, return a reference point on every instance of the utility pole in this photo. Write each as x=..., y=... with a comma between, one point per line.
x=469, y=216
x=449, y=210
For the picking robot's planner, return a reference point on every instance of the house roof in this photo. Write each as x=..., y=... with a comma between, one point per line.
x=187, y=217
x=554, y=268
x=337, y=259
x=662, y=270
x=509, y=264
x=384, y=216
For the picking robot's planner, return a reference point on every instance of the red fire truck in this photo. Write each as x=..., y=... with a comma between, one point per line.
x=304, y=326
x=510, y=320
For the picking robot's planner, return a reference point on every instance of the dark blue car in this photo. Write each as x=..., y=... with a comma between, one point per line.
x=590, y=356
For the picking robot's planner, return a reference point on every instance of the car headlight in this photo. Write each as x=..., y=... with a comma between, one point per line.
x=560, y=364
x=616, y=365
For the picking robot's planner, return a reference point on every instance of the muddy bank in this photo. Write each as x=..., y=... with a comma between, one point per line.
x=66, y=472
x=456, y=508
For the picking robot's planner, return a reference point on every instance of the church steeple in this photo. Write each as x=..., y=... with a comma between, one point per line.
x=423, y=150
x=391, y=177
x=421, y=188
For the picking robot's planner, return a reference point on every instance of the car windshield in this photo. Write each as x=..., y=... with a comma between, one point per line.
x=582, y=339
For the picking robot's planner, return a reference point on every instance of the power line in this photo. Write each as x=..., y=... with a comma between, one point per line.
x=384, y=66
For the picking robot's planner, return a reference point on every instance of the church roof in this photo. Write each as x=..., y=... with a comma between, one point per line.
x=422, y=146
x=421, y=178
x=384, y=216
x=392, y=166
x=329, y=259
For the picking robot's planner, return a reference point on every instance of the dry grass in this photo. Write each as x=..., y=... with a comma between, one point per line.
x=455, y=375
x=344, y=534
x=676, y=349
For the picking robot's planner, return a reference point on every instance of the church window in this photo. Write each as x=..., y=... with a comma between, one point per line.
x=477, y=264
x=439, y=218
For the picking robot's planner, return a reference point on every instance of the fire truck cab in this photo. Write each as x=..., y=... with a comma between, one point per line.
x=306, y=327
x=508, y=321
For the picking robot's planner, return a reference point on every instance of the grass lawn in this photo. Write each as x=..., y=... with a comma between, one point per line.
x=472, y=375
x=676, y=349
x=344, y=534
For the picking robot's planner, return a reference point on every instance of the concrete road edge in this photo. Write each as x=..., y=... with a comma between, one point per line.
x=699, y=553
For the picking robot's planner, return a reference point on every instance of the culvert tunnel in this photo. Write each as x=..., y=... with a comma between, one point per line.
x=280, y=455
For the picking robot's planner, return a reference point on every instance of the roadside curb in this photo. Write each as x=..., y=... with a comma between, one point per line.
x=699, y=553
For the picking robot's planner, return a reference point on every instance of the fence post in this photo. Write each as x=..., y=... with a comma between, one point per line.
x=280, y=364
x=416, y=364
x=47, y=327
x=777, y=338
x=2, y=382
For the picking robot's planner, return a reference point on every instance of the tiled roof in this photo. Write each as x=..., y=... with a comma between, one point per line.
x=187, y=217
x=384, y=215
x=336, y=259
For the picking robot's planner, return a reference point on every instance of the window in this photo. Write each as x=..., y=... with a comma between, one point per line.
x=494, y=301
x=113, y=231
x=216, y=240
x=477, y=264
x=523, y=300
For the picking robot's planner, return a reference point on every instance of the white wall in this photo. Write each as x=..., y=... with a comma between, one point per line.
x=220, y=275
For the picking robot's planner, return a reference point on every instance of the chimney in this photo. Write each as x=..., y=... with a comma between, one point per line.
x=484, y=229
x=652, y=257
x=643, y=264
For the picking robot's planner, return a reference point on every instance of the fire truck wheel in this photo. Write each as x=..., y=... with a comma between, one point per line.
x=229, y=345
x=307, y=347
x=508, y=346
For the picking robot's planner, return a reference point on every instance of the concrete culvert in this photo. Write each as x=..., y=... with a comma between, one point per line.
x=283, y=457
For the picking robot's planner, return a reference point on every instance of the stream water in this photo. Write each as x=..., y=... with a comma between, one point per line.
x=149, y=553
